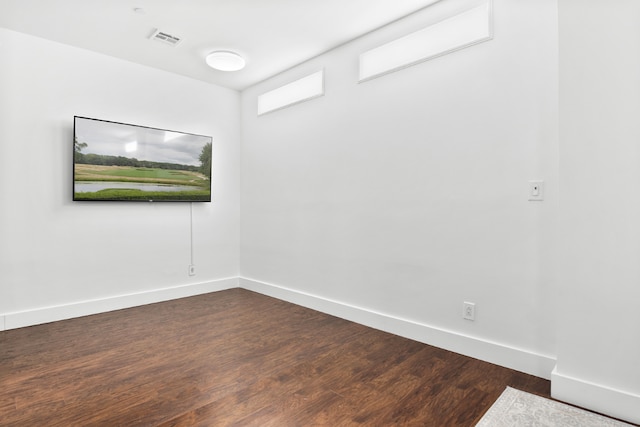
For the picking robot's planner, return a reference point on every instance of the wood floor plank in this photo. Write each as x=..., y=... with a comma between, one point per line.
x=237, y=358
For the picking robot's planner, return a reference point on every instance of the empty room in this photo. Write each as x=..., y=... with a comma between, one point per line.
x=319, y=213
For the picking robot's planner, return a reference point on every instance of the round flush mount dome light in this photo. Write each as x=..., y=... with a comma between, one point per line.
x=225, y=60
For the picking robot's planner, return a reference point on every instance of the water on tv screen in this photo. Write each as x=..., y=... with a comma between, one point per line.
x=123, y=162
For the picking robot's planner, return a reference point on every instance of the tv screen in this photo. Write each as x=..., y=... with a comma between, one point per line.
x=123, y=162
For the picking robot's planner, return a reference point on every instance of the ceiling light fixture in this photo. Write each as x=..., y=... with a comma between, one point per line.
x=225, y=60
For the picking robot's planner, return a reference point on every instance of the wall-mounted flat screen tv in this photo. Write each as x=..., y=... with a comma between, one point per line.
x=123, y=162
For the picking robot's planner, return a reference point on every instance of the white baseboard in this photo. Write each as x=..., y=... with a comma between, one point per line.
x=595, y=397
x=84, y=308
x=499, y=354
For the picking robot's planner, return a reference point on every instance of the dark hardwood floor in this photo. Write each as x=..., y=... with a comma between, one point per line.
x=237, y=358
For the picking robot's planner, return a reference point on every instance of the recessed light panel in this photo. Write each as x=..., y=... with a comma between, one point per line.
x=460, y=31
x=304, y=89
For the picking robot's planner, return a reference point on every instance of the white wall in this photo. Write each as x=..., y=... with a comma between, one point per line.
x=397, y=199
x=599, y=321
x=55, y=252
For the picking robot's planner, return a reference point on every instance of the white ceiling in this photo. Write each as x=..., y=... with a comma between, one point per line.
x=273, y=35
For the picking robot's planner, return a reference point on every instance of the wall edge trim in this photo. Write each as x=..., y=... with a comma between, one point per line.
x=55, y=313
x=500, y=354
x=595, y=397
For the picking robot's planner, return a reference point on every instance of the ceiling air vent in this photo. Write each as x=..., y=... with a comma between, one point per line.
x=165, y=38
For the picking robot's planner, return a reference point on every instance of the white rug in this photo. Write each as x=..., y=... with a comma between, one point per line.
x=515, y=408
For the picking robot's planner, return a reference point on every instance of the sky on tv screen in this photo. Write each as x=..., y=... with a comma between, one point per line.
x=156, y=145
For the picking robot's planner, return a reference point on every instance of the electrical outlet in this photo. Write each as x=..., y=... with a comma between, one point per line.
x=192, y=270
x=469, y=310
x=536, y=191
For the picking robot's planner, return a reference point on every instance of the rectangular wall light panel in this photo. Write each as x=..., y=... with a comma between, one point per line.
x=304, y=89
x=460, y=31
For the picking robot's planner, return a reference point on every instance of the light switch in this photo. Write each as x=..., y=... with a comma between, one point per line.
x=536, y=190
